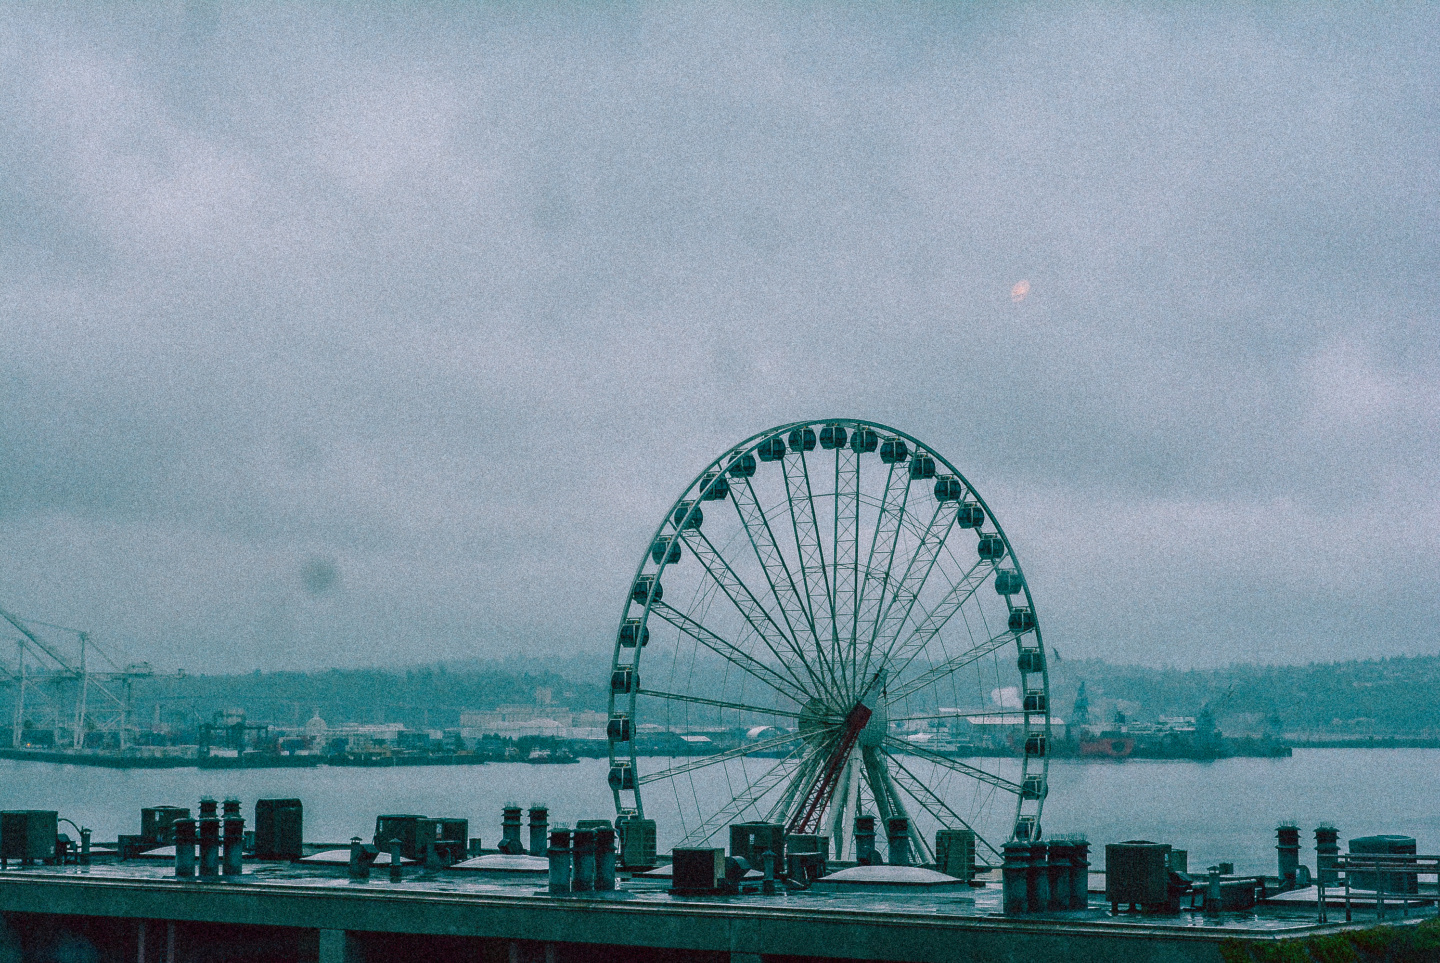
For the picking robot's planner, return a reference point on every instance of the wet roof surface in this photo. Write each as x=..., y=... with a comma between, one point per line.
x=970, y=902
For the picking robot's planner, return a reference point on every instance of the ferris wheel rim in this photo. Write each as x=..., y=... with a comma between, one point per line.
x=674, y=523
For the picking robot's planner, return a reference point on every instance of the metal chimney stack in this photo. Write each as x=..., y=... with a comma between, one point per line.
x=234, y=837
x=510, y=843
x=865, y=839
x=1288, y=848
x=209, y=838
x=559, y=853
x=184, y=830
x=1327, y=850
x=898, y=828
x=539, y=829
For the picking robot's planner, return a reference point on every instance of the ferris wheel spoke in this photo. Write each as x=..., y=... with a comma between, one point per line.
x=787, y=685
x=777, y=570
x=907, y=589
x=871, y=595
x=845, y=550
x=756, y=790
x=761, y=622
x=811, y=554
x=945, y=669
x=704, y=762
x=805, y=774
x=887, y=584
x=723, y=574
x=960, y=592
x=974, y=772
x=811, y=785
x=718, y=703
x=918, y=791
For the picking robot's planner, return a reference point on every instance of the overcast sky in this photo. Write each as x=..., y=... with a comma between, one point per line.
x=347, y=336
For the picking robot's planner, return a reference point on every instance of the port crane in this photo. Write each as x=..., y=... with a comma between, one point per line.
x=46, y=669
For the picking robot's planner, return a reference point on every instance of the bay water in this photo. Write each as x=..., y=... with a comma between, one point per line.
x=1222, y=810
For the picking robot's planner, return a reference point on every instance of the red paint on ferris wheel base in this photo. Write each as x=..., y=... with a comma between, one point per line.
x=809, y=819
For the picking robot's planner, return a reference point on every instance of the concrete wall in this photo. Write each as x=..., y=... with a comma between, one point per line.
x=335, y=923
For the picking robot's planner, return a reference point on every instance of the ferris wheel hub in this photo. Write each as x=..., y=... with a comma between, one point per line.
x=877, y=728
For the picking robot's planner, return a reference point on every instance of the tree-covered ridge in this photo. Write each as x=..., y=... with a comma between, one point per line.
x=419, y=697
x=1379, y=696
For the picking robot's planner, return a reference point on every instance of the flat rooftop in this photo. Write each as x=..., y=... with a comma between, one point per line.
x=485, y=911
x=1297, y=912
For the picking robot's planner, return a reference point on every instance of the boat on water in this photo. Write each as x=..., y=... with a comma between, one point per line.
x=1168, y=738
x=1107, y=745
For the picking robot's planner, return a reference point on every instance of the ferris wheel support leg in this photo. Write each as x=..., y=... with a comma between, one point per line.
x=897, y=804
x=877, y=784
x=836, y=813
x=847, y=805
x=857, y=782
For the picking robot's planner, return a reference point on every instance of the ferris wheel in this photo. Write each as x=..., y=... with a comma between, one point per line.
x=830, y=623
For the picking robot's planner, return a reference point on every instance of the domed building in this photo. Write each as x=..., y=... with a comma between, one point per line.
x=316, y=731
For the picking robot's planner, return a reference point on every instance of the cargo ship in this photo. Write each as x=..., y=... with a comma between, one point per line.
x=1170, y=737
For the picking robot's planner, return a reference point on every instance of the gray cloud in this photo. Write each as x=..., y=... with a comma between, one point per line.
x=457, y=300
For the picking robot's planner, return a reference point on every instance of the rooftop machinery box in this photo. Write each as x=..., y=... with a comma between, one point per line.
x=29, y=834
x=156, y=823
x=279, y=828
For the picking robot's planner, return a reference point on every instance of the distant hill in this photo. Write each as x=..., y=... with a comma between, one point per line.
x=424, y=696
x=1376, y=696
x=1379, y=696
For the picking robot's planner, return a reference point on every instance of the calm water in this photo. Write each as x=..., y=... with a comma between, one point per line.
x=1224, y=810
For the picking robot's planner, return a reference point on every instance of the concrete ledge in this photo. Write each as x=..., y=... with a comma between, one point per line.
x=732, y=927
